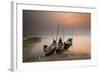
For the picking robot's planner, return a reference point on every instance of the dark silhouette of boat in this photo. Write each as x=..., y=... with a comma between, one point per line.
x=51, y=49
x=66, y=46
x=57, y=47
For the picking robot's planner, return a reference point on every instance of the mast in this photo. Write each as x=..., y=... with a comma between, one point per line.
x=63, y=33
x=57, y=32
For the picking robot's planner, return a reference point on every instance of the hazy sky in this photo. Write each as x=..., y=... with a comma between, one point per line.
x=36, y=22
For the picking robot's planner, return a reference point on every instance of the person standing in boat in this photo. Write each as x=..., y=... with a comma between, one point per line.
x=59, y=46
x=54, y=42
x=60, y=43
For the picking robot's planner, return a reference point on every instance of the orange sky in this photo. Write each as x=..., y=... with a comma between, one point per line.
x=70, y=18
x=47, y=20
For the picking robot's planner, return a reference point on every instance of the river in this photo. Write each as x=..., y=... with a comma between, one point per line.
x=81, y=44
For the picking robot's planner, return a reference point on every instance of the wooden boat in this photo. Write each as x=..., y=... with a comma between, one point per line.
x=57, y=47
x=50, y=49
x=66, y=46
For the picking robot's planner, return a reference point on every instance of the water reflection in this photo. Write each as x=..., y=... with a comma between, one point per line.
x=81, y=44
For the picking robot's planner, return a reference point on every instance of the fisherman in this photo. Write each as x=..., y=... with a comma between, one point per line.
x=54, y=42
x=60, y=46
x=60, y=43
x=45, y=47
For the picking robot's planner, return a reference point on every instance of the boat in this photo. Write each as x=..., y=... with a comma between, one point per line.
x=50, y=49
x=57, y=47
x=66, y=46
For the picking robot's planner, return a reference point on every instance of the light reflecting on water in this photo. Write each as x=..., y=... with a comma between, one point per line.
x=81, y=44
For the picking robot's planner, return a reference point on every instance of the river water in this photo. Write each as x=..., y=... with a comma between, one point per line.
x=81, y=44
